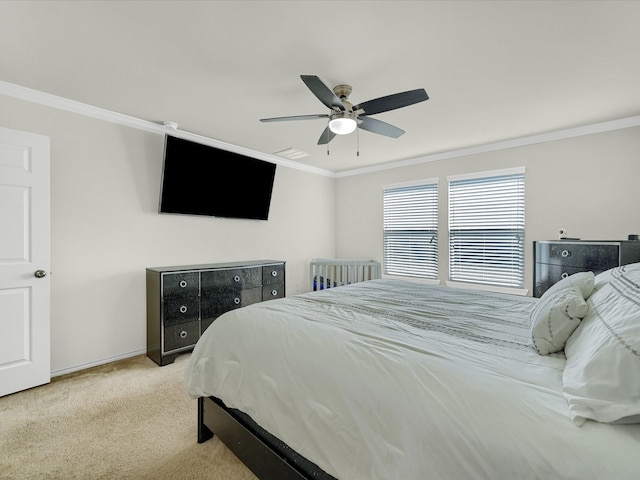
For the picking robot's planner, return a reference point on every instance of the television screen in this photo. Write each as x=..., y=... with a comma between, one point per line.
x=200, y=179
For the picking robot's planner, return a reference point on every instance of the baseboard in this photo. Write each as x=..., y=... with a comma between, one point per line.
x=103, y=361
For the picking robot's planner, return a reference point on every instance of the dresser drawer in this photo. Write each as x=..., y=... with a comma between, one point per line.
x=221, y=302
x=180, y=310
x=215, y=303
x=272, y=274
x=547, y=274
x=273, y=291
x=234, y=279
x=181, y=284
x=181, y=336
x=586, y=256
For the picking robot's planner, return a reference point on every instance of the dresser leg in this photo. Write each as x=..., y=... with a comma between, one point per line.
x=168, y=359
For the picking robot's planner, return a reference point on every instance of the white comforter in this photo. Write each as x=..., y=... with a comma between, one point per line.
x=395, y=380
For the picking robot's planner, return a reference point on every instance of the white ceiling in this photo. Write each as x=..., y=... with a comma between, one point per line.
x=494, y=70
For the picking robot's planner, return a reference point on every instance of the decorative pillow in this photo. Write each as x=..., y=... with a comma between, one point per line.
x=554, y=318
x=601, y=379
x=585, y=281
x=605, y=277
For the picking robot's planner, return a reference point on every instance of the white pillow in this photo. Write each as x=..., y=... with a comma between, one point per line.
x=585, y=281
x=554, y=318
x=605, y=277
x=601, y=379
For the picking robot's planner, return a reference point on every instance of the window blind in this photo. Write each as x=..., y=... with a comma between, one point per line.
x=486, y=230
x=411, y=231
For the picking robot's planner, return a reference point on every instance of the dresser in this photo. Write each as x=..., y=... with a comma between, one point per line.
x=182, y=301
x=557, y=259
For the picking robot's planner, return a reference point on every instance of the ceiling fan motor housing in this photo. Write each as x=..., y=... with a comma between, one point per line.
x=342, y=91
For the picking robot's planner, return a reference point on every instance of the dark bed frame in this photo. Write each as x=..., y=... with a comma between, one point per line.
x=266, y=456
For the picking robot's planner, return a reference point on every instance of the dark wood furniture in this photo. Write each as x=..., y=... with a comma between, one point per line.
x=265, y=455
x=182, y=301
x=557, y=259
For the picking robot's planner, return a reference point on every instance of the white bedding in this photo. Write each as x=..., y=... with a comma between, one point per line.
x=395, y=380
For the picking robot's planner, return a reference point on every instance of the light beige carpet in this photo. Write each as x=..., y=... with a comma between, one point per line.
x=126, y=420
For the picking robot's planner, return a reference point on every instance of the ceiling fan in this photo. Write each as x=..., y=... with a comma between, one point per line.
x=344, y=117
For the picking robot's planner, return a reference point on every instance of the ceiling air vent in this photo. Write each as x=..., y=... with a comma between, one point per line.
x=292, y=154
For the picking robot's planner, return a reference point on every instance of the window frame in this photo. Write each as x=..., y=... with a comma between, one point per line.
x=515, y=235
x=428, y=258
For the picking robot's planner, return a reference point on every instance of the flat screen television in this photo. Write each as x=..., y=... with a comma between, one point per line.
x=200, y=179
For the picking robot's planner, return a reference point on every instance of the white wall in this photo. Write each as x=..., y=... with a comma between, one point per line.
x=587, y=184
x=105, y=230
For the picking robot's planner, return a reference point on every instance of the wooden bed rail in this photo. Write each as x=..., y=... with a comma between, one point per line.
x=214, y=418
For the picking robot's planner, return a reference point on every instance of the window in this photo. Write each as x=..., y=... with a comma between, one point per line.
x=411, y=230
x=486, y=228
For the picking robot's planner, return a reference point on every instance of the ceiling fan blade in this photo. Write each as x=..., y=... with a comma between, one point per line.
x=295, y=117
x=326, y=136
x=324, y=93
x=391, y=102
x=376, y=126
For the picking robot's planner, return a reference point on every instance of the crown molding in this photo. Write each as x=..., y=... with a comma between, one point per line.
x=61, y=103
x=503, y=145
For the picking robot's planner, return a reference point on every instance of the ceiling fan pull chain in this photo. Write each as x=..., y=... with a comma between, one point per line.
x=357, y=142
x=327, y=132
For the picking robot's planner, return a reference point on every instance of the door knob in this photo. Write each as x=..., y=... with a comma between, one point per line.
x=40, y=274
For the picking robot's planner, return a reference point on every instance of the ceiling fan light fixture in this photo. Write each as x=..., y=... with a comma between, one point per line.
x=342, y=123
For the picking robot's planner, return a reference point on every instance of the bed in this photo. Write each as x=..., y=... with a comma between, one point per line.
x=389, y=379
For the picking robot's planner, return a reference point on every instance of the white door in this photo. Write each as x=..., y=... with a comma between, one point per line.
x=24, y=261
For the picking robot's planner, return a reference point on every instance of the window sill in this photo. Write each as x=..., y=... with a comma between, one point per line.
x=488, y=288
x=430, y=281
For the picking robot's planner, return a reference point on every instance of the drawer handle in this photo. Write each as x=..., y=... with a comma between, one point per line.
x=274, y=273
x=564, y=275
x=183, y=334
x=183, y=283
x=565, y=253
x=236, y=300
x=236, y=278
x=274, y=292
x=183, y=309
